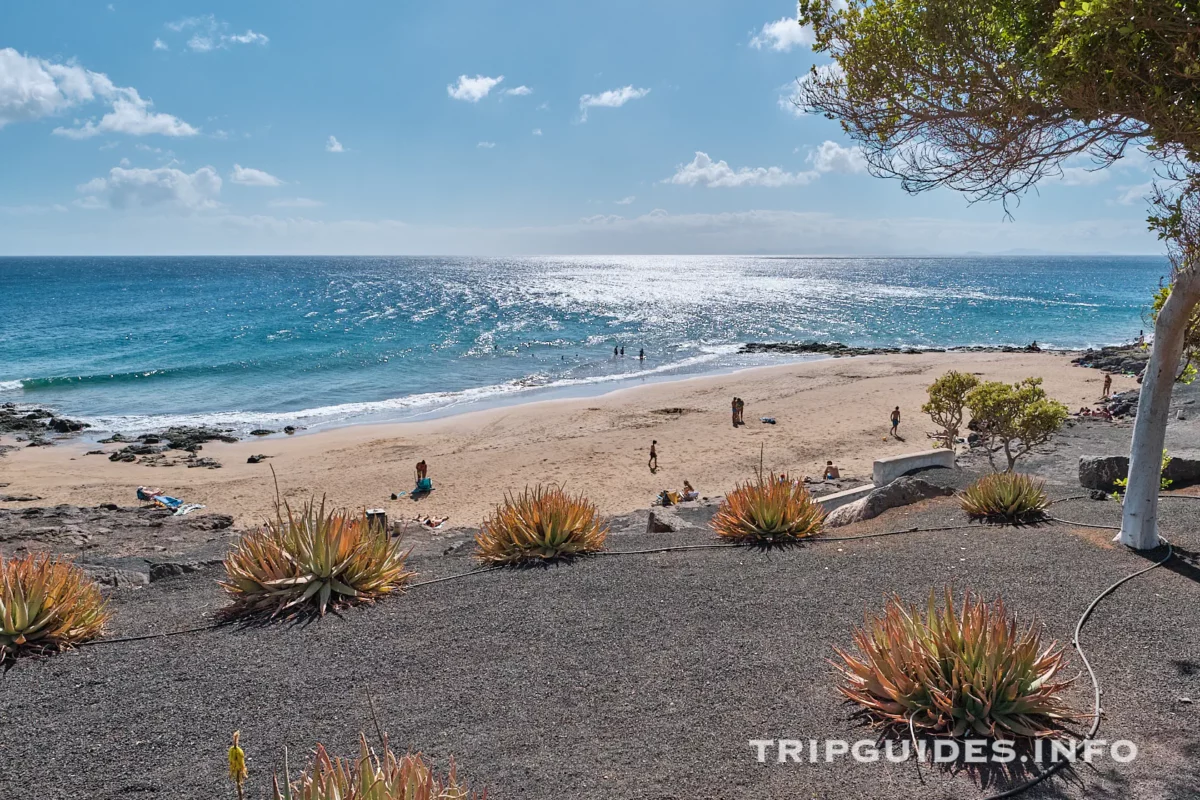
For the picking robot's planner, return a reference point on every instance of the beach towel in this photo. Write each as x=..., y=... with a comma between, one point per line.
x=187, y=508
x=767, y=420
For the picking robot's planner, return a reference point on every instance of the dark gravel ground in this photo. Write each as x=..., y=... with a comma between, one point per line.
x=614, y=677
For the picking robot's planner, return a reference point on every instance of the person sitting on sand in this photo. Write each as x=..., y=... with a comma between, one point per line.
x=688, y=492
x=832, y=473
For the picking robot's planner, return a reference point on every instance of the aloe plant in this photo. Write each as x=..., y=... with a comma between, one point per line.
x=372, y=777
x=46, y=604
x=312, y=559
x=1008, y=496
x=543, y=523
x=949, y=672
x=768, y=510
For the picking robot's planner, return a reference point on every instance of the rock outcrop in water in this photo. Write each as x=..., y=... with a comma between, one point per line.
x=1127, y=359
x=27, y=423
x=839, y=350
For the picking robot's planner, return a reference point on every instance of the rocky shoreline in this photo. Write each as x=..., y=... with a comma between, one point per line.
x=839, y=350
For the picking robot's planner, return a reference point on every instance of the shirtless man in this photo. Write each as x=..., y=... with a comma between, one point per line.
x=895, y=420
x=653, y=463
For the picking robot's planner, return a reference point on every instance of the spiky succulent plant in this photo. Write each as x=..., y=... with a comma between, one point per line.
x=768, y=510
x=46, y=604
x=543, y=523
x=312, y=560
x=1008, y=496
x=953, y=673
x=372, y=777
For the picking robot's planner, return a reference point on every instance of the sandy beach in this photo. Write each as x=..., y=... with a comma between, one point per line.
x=831, y=409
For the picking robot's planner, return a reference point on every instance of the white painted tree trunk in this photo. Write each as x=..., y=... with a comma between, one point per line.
x=1139, y=523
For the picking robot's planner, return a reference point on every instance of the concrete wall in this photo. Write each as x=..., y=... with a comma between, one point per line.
x=831, y=501
x=888, y=469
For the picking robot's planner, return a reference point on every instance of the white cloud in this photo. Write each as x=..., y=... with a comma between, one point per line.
x=613, y=98
x=486, y=145
x=624, y=201
x=519, y=91
x=1135, y=194
x=130, y=115
x=782, y=35
x=537, y=131
x=165, y=187
x=33, y=88
x=832, y=157
x=213, y=34
x=703, y=171
x=124, y=162
x=159, y=44
x=1084, y=176
x=295, y=202
x=253, y=177
x=472, y=90
x=334, y=146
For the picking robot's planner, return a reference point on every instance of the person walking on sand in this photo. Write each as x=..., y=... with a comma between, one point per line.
x=653, y=463
x=896, y=421
x=1107, y=385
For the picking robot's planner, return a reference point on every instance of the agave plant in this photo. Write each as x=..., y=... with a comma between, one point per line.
x=543, y=523
x=372, y=777
x=770, y=510
x=1009, y=496
x=46, y=604
x=312, y=560
x=948, y=673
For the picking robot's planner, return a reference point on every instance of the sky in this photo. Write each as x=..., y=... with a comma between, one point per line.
x=477, y=127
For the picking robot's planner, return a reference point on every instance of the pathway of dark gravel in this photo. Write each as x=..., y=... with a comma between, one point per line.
x=613, y=677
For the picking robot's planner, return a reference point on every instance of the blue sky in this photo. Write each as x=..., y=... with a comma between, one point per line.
x=622, y=127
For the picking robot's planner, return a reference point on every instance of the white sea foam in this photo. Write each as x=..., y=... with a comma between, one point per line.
x=11, y=386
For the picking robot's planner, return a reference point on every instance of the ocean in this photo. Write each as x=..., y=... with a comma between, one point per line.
x=134, y=344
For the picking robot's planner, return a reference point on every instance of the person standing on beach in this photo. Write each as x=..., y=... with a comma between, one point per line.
x=1107, y=385
x=422, y=470
x=653, y=463
x=896, y=421
x=741, y=411
x=733, y=407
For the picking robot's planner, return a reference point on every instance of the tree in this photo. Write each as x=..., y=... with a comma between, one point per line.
x=947, y=397
x=988, y=97
x=1014, y=417
x=1191, y=337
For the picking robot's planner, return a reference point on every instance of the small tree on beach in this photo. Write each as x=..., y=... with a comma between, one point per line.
x=947, y=398
x=1014, y=417
x=988, y=97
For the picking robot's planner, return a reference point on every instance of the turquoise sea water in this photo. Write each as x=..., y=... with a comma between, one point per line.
x=137, y=343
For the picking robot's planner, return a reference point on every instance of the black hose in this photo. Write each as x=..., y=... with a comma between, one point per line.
x=1016, y=790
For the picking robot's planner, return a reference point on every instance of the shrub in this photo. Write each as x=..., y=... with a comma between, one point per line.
x=1004, y=495
x=770, y=510
x=312, y=560
x=947, y=398
x=372, y=777
x=46, y=604
x=543, y=523
x=1014, y=417
x=949, y=673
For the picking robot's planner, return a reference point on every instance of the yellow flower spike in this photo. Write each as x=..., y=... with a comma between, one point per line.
x=237, y=763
